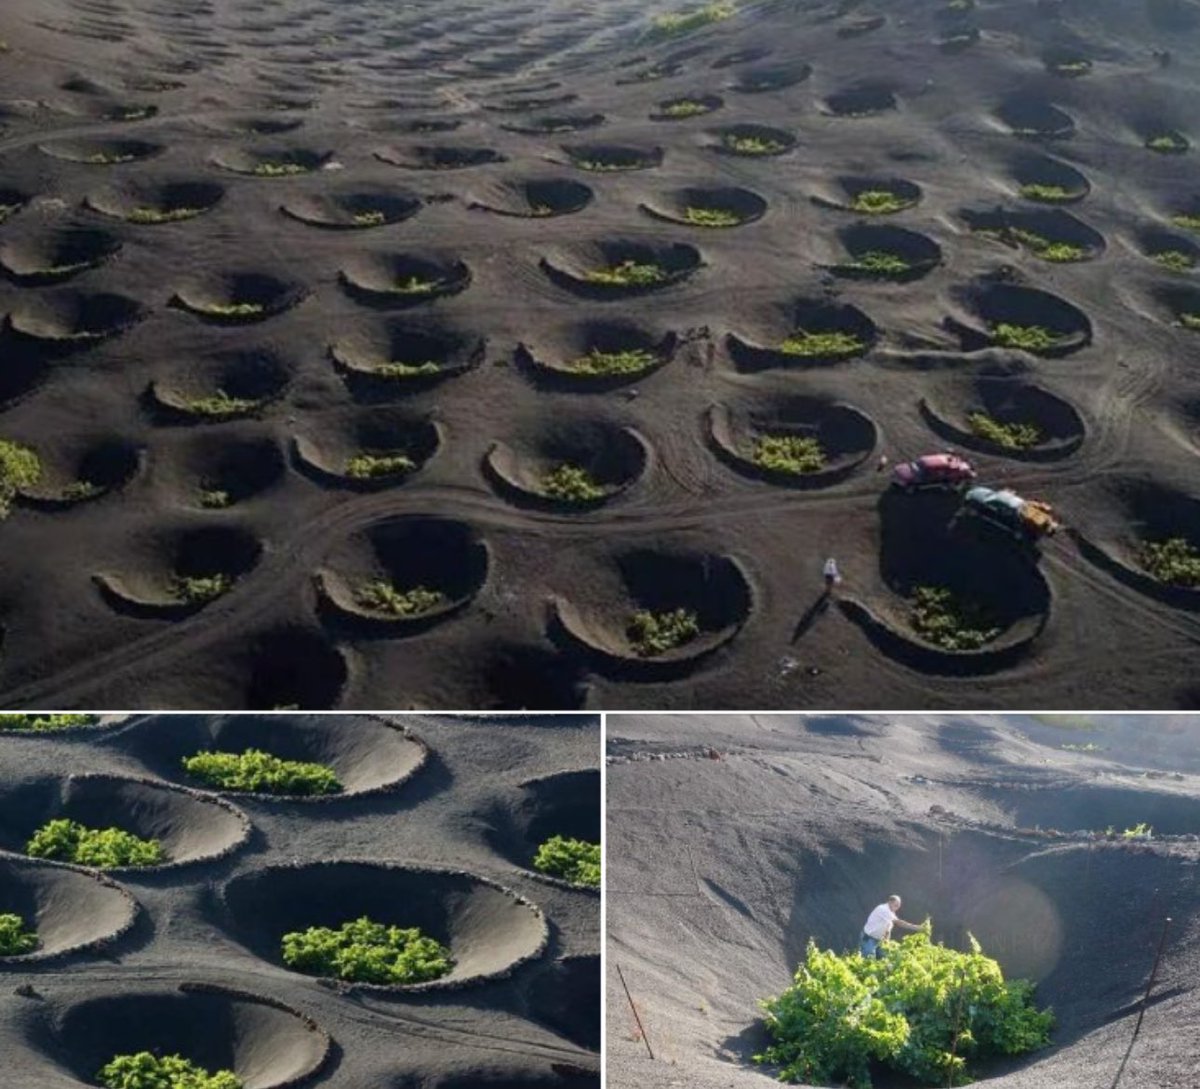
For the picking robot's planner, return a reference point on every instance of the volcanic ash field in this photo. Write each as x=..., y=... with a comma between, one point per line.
x=435, y=826
x=734, y=839
x=398, y=355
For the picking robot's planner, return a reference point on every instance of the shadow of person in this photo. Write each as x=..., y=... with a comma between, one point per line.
x=812, y=614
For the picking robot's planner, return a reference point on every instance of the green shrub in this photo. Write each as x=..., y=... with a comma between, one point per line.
x=150, y=216
x=368, y=466
x=597, y=362
x=1190, y=321
x=367, y=952
x=1175, y=561
x=369, y=219
x=879, y=263
x=940, y=617
x=279, y=170
x=627, y=274
x=752, y=145
x=828, y=345
x=229, y=310
x=879, y=202
x=1048, y=194
x=261, y=773
x=68, y=841
x=788, y=454
x=15, y=940
x=711, y=217
x=45, y=723
x=384, y=597
x=1189, y=221
x=102, y=158
x=1029, y=338
x=9, y=210
x=416, y=285
x=923, y=1010
x=1045, y=248
x=573, y=860
x=147, y=1071
x=79, y=490
x=201, y=589
x=215, y=498
x=221, y=405
x=652, y=633
x=571, y=484
x=20, y=468
x=1012, y=436
x=684, y=107
x=406, y=370
x=1167, y=143
x=1138, y=831
x=684, y=22
x=1175, y=260
x=1071, y=68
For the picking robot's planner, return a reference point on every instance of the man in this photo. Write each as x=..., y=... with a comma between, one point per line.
x=878, y=927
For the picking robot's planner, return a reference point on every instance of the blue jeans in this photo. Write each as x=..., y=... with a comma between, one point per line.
x=870, y=947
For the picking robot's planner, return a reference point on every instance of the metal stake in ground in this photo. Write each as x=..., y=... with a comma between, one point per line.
x=636, y=1015
x=1162, y=944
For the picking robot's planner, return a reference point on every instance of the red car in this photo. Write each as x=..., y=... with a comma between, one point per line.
x=933, y=471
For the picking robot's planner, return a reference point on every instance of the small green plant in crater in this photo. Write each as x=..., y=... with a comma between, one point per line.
x=1028, y=338
x=1175, y=260
x=1190, y=221
x=368, y=466
x=571, y=484
x=147, y=216
x=105, y=848
x=627, y=274
x=1012, y=436
x=573, y=860
x=364, y=951
x=261, y=773
x=201, y=589
x=221, y=405
x=397, y=369
x=711, y=217
x=417, y=285
x=596, y=362
x=15, y=940
x=279, y=170
x=752, y=145
x=381, y=596
x=1048, y=194
x=683, y=108
x=879, y=202
x=796, y=454
x=20, y=467
x=673, y=24
x=7, y=211
x=107, y=158
x=215, y=498
x=369, y=219
x=922, y=1010
x=1071, y=68
x=829, y=345
x=133, y=113
x=1167, y=143
x=879, y=263
x=1142, y=830
x=1190, y=321
x=1175, y=561
x=79, y=490
x=145, y=1070
x=230, y=310
x=45, y=723
x=946, y=620
x=1045, y=248
x=652, y=633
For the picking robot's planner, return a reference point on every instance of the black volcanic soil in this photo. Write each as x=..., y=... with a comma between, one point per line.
x=431, y=831
x=381, y=184
x=732, y=840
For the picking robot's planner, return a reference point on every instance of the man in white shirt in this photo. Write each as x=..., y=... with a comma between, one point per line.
x=878, y=927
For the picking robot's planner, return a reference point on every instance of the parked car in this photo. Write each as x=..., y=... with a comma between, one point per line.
x=1026, y=519
x=933, y=471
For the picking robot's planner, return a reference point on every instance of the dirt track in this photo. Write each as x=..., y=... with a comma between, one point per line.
x=734, y=839
x=434, y=829
x=456, y=124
